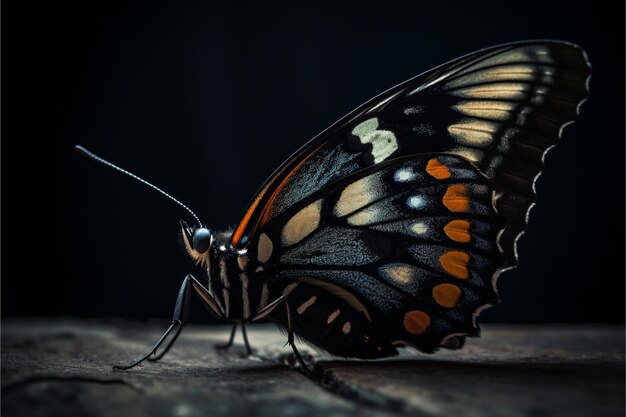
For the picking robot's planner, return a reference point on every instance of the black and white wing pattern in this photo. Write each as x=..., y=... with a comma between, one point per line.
x=411, y=242
x=402, y=214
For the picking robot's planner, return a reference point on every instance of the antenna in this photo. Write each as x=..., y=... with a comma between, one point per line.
x=84, y=152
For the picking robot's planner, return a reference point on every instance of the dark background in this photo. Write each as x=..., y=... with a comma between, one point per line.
x=206, y=101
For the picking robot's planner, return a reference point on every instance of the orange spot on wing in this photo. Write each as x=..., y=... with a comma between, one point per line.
x=456, y=199
x=438, y=170
x=458, y=230
x=446, y=295
x=416, y=322
x=455, y=263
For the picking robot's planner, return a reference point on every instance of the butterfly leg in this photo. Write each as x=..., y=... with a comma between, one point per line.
x=290, y=336
x=245, y=338
x=179, y=319
x=224, y=346
x=290, y=341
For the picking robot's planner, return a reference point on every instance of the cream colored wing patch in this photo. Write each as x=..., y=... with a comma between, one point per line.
x=359, y=194
x=302, y=224
x=264, y=248
x=473, y=132
x=493, y=110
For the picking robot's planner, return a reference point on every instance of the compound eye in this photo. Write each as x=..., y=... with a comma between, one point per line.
x=201, y=240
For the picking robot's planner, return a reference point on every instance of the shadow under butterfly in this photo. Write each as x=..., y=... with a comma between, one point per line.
x=391, y=227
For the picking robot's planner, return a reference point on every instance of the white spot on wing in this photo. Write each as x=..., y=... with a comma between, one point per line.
x=383, y=142
x=416, y=201
x=419, y=228
x=366, y=127
x=404, y=175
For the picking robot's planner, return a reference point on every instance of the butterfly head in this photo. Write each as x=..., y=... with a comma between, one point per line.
x=198, y=241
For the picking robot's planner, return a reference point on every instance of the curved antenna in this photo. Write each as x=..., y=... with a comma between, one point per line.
x=96, y=158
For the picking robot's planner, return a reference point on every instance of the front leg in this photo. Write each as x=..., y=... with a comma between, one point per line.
x=179, y=319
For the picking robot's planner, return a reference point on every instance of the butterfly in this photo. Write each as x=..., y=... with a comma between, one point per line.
x=391, y=227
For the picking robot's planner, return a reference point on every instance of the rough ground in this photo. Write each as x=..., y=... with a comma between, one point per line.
x=62, y=367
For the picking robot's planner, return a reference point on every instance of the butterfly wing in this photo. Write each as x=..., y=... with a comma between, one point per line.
x=403, y=252
x=502, y=108
x=404, y=212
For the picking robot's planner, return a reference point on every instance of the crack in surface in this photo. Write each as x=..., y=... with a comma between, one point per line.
x=36, y=379
x=354, y=394
x=360, y=395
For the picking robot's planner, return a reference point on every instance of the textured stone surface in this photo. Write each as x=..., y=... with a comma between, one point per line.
x=62, y=367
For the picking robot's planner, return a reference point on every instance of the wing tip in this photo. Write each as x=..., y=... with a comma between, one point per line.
x=513, y=262
x=587, y=82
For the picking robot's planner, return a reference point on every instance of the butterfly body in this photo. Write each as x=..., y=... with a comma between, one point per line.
x=391, y=227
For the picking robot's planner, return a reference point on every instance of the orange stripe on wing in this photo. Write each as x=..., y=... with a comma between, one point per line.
x=243, y=224
x=270, y=203
x=241, y=227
